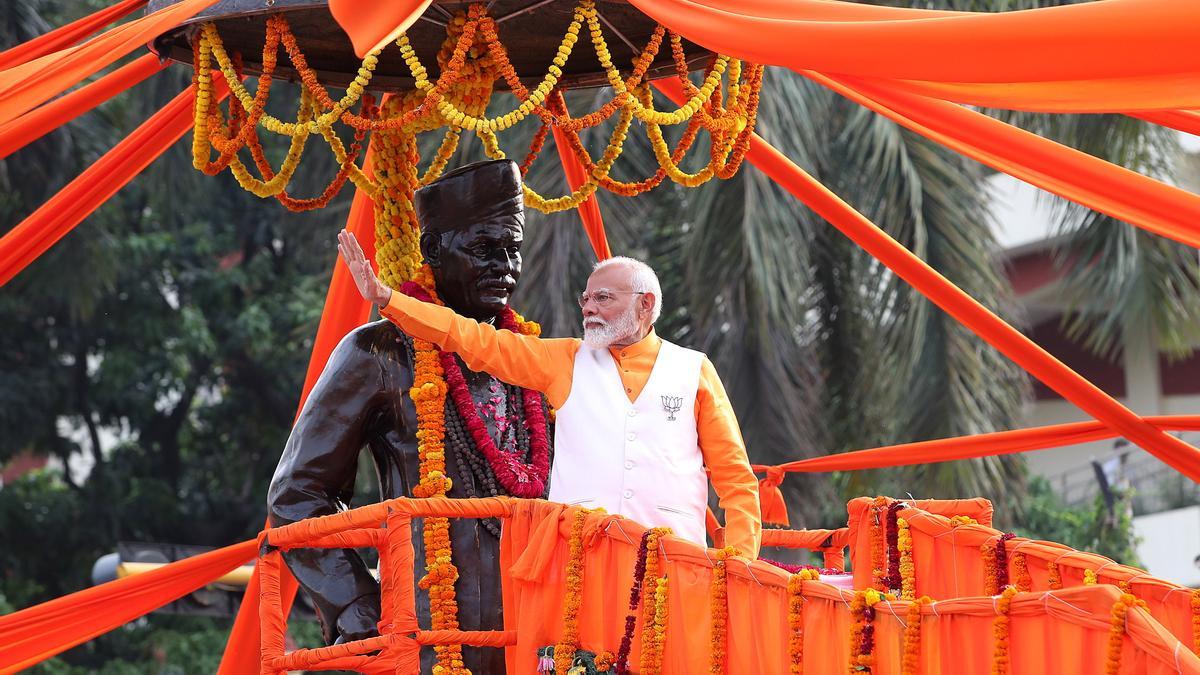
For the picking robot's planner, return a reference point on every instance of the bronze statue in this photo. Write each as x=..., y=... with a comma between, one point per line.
x=471, y=229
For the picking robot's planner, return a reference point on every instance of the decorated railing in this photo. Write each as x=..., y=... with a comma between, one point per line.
x=584, y=589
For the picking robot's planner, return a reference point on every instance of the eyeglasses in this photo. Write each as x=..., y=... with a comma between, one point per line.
x=603, y=297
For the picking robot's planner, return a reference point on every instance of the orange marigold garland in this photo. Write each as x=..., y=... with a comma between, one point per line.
x=911, y=663
x=796, y=618
x=908, y=573
x=1024, y=580
x=1000, y=631
x=862, y=630
x=564, y=651
x=1054, y=574
x=1116, y=631
x=655, y=634
x=1089, y=578
x=720, y=610
x=1196, y=621
x=878, y=548
x=957, y=521
x=991, y=584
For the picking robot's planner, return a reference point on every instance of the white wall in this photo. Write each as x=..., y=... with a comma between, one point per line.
x=1170, y=544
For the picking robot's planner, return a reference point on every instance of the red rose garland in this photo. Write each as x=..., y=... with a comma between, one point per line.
x=516, y=477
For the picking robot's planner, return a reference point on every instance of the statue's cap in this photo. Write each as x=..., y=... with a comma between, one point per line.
x=474, y=193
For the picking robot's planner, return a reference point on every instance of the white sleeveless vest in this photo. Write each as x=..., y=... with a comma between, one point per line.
x=642, y=459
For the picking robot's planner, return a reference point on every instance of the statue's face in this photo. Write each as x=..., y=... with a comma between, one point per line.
x=476, y=267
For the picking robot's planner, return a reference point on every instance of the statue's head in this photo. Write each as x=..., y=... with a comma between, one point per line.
x=472, y=224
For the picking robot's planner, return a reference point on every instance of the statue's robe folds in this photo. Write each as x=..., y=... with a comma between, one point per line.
x=362, y=400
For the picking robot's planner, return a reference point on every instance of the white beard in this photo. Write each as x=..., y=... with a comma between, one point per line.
x=601, y=334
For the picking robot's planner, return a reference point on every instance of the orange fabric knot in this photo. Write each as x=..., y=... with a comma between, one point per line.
x=770, y=497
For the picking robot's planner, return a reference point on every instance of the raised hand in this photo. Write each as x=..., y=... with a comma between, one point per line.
x=364, y=277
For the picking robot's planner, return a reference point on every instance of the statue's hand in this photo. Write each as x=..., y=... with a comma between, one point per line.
x=364, y=277
x=359, y=620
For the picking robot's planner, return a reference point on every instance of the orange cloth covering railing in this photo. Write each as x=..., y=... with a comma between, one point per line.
x=1062, y=631
x=65, y=36
x=949, y=563
x=830, y=543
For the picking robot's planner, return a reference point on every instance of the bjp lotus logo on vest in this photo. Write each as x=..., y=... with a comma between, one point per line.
x=672, y=404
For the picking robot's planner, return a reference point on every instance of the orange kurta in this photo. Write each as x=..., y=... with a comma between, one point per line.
x=547, y=365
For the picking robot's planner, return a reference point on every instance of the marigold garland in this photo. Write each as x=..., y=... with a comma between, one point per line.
x=472, y=59
x=991, y=568
x=719, y=609
x=862, y=630
x=958, y=521
x=655, y=635
x=796, y=618
x=1089, y=578
x=1116, y=631
x=908, y=574
x=911, y=662
x=878, y=552
x=1054, y=576
x=1000, y=632
x=893, y=579
x=1024, y=581
x=1196, y=621
x=564, y=650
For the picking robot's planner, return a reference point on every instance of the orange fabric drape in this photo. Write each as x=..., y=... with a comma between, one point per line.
x=37, y=633
x=345, y=309
x=976, y=445
x=995, y=331
x=41, y=121
x=949, y=564
x=370, y=23
x=1115, y=55
x=589, y=210
x=65, y=36
x=1082, y=178
x=24, y=87
x=1047, y=636
x=58, y=216
x=1180, y=120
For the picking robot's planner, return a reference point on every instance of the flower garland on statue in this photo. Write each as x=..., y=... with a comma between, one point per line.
x=719, y=608
x=796, y=618
x=1000, y=631
x=564, y=651
x=519, y=479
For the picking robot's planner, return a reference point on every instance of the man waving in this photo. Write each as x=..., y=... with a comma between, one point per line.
x=639, y=418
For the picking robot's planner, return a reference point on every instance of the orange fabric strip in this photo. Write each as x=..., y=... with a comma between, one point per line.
x=41, y=121
x=32, y=635
x=65, y=36
x=807, y=539
x=476, y=638
x=980, y=320
x=370, y=23
x=24, y=87
x=976, y=445
x=1088, y=41
x=1082, y=178
x=1180, y=120
x=58, y=216
x=589, y=210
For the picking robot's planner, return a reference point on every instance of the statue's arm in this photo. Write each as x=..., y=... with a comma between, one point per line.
x=318, y=465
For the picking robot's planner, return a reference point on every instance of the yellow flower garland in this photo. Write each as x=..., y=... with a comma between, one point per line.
x=1000, y=632
x=564, y=650
x=908, y=579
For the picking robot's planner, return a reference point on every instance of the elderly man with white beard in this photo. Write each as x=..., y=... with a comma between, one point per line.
x=639, y=418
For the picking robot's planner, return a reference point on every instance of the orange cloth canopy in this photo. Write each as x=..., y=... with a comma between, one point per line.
x=61, y=38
